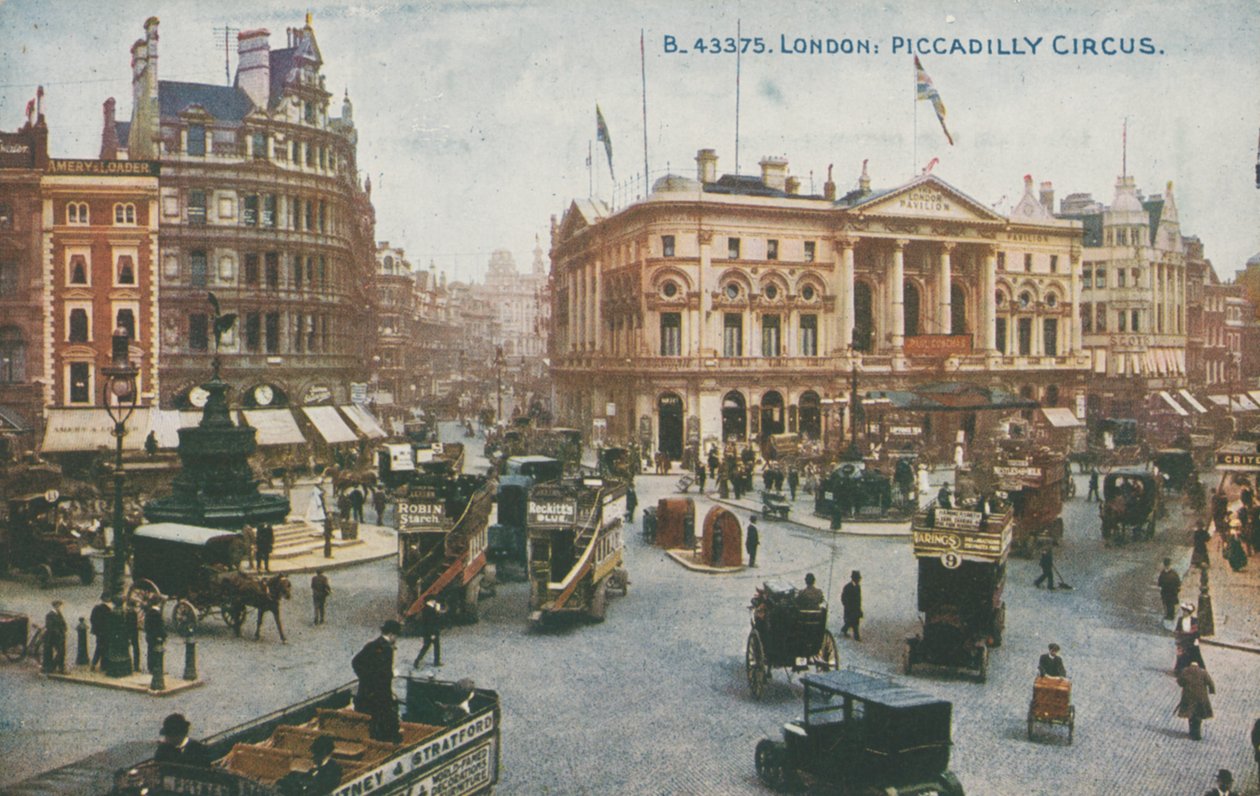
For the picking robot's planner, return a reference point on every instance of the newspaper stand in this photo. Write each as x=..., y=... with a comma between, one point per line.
x=962, y=571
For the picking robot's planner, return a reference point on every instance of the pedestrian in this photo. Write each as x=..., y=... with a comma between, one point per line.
x=632, y=502
x=1169, y=583
x=700, y=478
x=713, y=463
x=1186, y=639
x=724, y=487
x=1224, y=784
x=1047, y=568
x=1195, y=705
x=266, y=541
x=374, y=666
x=357, y=500
x=1199, y=541
x=326, y=774
x=943, y=498
x=1050, y=664
x=1255, y=743
x=378, y=502
x=344, y=507
x=752, y=540
x=767, y=478
x=851, y=601
x=1234, y=553
x=431, y=630
x=55, y=630
x=177, y=747
x=101, y=618
x=794, y=481
x=249, y=535
x=154, y=630
x=1093, y=495
x=132, y=618
x=320, y=589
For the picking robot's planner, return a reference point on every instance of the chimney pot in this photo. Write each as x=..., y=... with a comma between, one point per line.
x=253, y=69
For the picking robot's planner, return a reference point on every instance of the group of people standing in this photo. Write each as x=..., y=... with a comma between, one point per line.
x=260, y=541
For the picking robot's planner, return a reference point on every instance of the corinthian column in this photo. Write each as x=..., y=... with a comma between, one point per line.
x=845, y=315
x=897, y=286
x=944, y=311
x=988, y=281
x=1076, y=303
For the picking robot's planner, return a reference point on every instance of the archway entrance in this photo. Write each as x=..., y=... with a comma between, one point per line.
x=810, y=422
x=772, y=418
x=734, y=416
x=863, y=322
x=669, y=409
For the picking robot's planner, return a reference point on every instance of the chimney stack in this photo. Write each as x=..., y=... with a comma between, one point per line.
x=774, y=172
x=109, y=132
x=864, y=181
x=829, y=187
x=1047, y=196
x=793, y=185
x=253, y=66
x=706, y=166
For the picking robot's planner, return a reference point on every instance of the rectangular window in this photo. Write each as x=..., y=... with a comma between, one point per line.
x=667, y=245
x=260, y=146
x=1121, y=318
x=298, y=339
x=671, y=334
x=1054, y=263
x=80, y=373
x=1001, y=261
x=311, y=337
x=1050, y=336
x=1119, y=277
x=999, y=336
x=323, y=216
x=273, y=270
x=200, y=268
x=770, y=337
x=253, y=332
x=197, y=139
x=272, y=331
x=269, y=210
x=811, y=249
x=1133, y=321
x=78, y=326
x=1087, y=318
x=197, y=208
x=310, y=156
x=1100, y=316
x=127, y=322
x=78, y=270
x=1025, y=336
x=198, y=332
x=8, y=278
x=295, y=158
x=295, y=270
x=732, y=334
x=732, y=248
x=323, y=273
x=310, y=216
x=809, y=335
x=251, y=270
x=772, y=250
x=249, y=210
x=1028, y=262
x=1100, y=277
x=310, y=112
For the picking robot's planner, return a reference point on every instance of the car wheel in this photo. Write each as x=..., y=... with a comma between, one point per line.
x=769, y=761
x=982, y=668
x=43, y=574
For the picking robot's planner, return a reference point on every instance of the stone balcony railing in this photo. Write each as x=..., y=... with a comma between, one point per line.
x=867, y=363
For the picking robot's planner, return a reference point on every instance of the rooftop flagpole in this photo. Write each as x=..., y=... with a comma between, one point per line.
x=738, y=33
x=643, y=75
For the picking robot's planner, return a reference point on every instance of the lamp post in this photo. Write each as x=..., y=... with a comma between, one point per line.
x=498, y=382
x=120, y=402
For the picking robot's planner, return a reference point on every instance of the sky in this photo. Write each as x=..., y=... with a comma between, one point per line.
x=475, y=118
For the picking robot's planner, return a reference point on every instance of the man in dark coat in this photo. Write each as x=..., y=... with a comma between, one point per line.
x=55, y=629
x=851, y=601
x=154, y=630
x=177, y=747
x=431, y=630
x=1050, y=664
x=132, y=617
x=700, y=478
x=326, y=775
x=1195, y=705
x=374, y=666
x=811, y=596
x=752, y=540
x=632, y=502
x=1224, y=784
x=1093, y=485
x=794, y=481
x=713, y=463
x=1169, y=583
x=1047, y=568
x=379, y=501
x=356, y=503
x=320, y=589
x=265, y=542
x=101, y=618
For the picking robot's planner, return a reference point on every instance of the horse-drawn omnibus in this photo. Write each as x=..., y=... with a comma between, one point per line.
x=442, y=538
x=575, y=546
x=1033, y=481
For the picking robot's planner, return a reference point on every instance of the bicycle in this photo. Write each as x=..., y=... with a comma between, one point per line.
x=19, y=638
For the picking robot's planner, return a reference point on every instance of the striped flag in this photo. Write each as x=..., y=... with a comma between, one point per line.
x=601, y=134
x=924, y=90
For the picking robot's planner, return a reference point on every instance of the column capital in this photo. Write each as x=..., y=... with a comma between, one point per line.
x=900, y=244
x=845, y=242
x=948, y=246
x=706, y=237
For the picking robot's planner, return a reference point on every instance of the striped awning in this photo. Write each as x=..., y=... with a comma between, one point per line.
x=76, y=430
x=1176, y=407
x=329, y=424
x=362, y=420
x=1192, y=401
x=274, y=427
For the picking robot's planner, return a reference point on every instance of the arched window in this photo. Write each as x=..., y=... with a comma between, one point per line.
x=12, y=356
x=76, y=213
x=78, y=326
x=126, y=270
x=734, y=416
x=78, y=270
x=124, y=213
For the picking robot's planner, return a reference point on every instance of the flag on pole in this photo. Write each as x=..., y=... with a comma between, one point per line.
x=601, y=134
x=924, y=90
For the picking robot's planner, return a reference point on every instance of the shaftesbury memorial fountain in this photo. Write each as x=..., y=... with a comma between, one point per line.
x=217, y=487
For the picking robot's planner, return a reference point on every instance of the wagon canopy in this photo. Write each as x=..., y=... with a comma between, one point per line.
x=173, y=555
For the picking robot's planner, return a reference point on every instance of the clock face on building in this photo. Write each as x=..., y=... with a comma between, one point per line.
x=197, y=396
x=264, y=395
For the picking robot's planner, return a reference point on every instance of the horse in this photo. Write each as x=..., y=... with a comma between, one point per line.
x=264, y=594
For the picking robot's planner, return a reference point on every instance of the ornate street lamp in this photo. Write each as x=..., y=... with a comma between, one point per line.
x=498, y=382
x=120, y=402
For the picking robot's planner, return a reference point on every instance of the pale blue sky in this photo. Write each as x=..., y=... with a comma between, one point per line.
x=474, y=117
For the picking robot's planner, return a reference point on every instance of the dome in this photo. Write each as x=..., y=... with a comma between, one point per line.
x=672, y=183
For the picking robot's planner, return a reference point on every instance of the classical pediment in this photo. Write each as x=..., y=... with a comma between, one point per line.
x=928, y=198
x=581, y=214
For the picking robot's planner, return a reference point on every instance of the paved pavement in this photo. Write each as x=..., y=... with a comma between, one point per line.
x=654, y=700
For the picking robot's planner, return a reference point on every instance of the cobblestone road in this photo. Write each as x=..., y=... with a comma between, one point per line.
x=654, y=700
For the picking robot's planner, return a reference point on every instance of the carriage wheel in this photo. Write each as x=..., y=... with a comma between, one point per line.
x=87, y=573
x=755, y=665
x=769, y=762
x=35, y=647
x=43, y=574
x=827, y=658
x=982, y=670
x=184, y=617
x=1071, y=723
x=233, y=616
x=143, y=592
x=907, y=659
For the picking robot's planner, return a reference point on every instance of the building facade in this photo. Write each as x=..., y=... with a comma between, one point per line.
x=261, y=205
x=395, y=327
x=732, y=308
x=518, y=299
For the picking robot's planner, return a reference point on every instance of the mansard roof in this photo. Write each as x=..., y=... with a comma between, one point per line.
x=224, y=103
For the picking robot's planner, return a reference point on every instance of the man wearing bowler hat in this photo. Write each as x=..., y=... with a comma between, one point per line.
x=851, y=601
x=177, y=747
x=374, y=666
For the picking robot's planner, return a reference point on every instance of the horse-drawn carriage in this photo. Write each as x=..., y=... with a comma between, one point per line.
x=1177, y=467
x=1131, y=504
x=197, y=571
x=786, y=634
x=32, y=540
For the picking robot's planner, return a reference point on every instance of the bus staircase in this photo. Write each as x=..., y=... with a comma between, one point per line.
x=586, y=542
x=447, y=562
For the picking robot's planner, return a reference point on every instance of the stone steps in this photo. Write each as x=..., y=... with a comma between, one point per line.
x=294, y=539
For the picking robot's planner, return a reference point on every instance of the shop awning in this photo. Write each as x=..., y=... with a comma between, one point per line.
x=1192, y=401
x=1243, y=401
x=362, y=419
x=72, y=430
x=1061, y=417
x=274, y=427
x=12, y=420
x=1255, y=395
x=165, y=426
x=1176, y=407
x=329, y=424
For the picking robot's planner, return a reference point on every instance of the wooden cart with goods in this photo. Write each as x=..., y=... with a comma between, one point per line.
x=1052, y=704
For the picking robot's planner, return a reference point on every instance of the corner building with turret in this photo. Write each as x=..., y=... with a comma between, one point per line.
x=734, y=307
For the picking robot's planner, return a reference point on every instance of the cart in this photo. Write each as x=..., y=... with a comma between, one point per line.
x=16, y=639
x=1052, y=704
x=187, y=566
x=774, y=504
x=1131, y=503
x=786, y=635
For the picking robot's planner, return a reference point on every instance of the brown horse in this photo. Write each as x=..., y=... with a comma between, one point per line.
x=264, y=594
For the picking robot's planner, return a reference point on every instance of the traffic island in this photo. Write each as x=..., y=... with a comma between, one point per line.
x=694, y=561
x=138, y=682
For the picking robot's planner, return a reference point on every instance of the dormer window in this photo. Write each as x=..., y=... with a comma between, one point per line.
x=197, y=140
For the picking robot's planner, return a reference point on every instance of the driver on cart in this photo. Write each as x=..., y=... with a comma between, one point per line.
x=1050, y=664
x=810, y=597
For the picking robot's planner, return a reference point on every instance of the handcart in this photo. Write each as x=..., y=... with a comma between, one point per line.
x=1052, y=704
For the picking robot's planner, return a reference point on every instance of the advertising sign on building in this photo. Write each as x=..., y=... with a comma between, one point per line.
x=16, y=152
x=358, y=393
x=551, y=512
x=937, y=345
